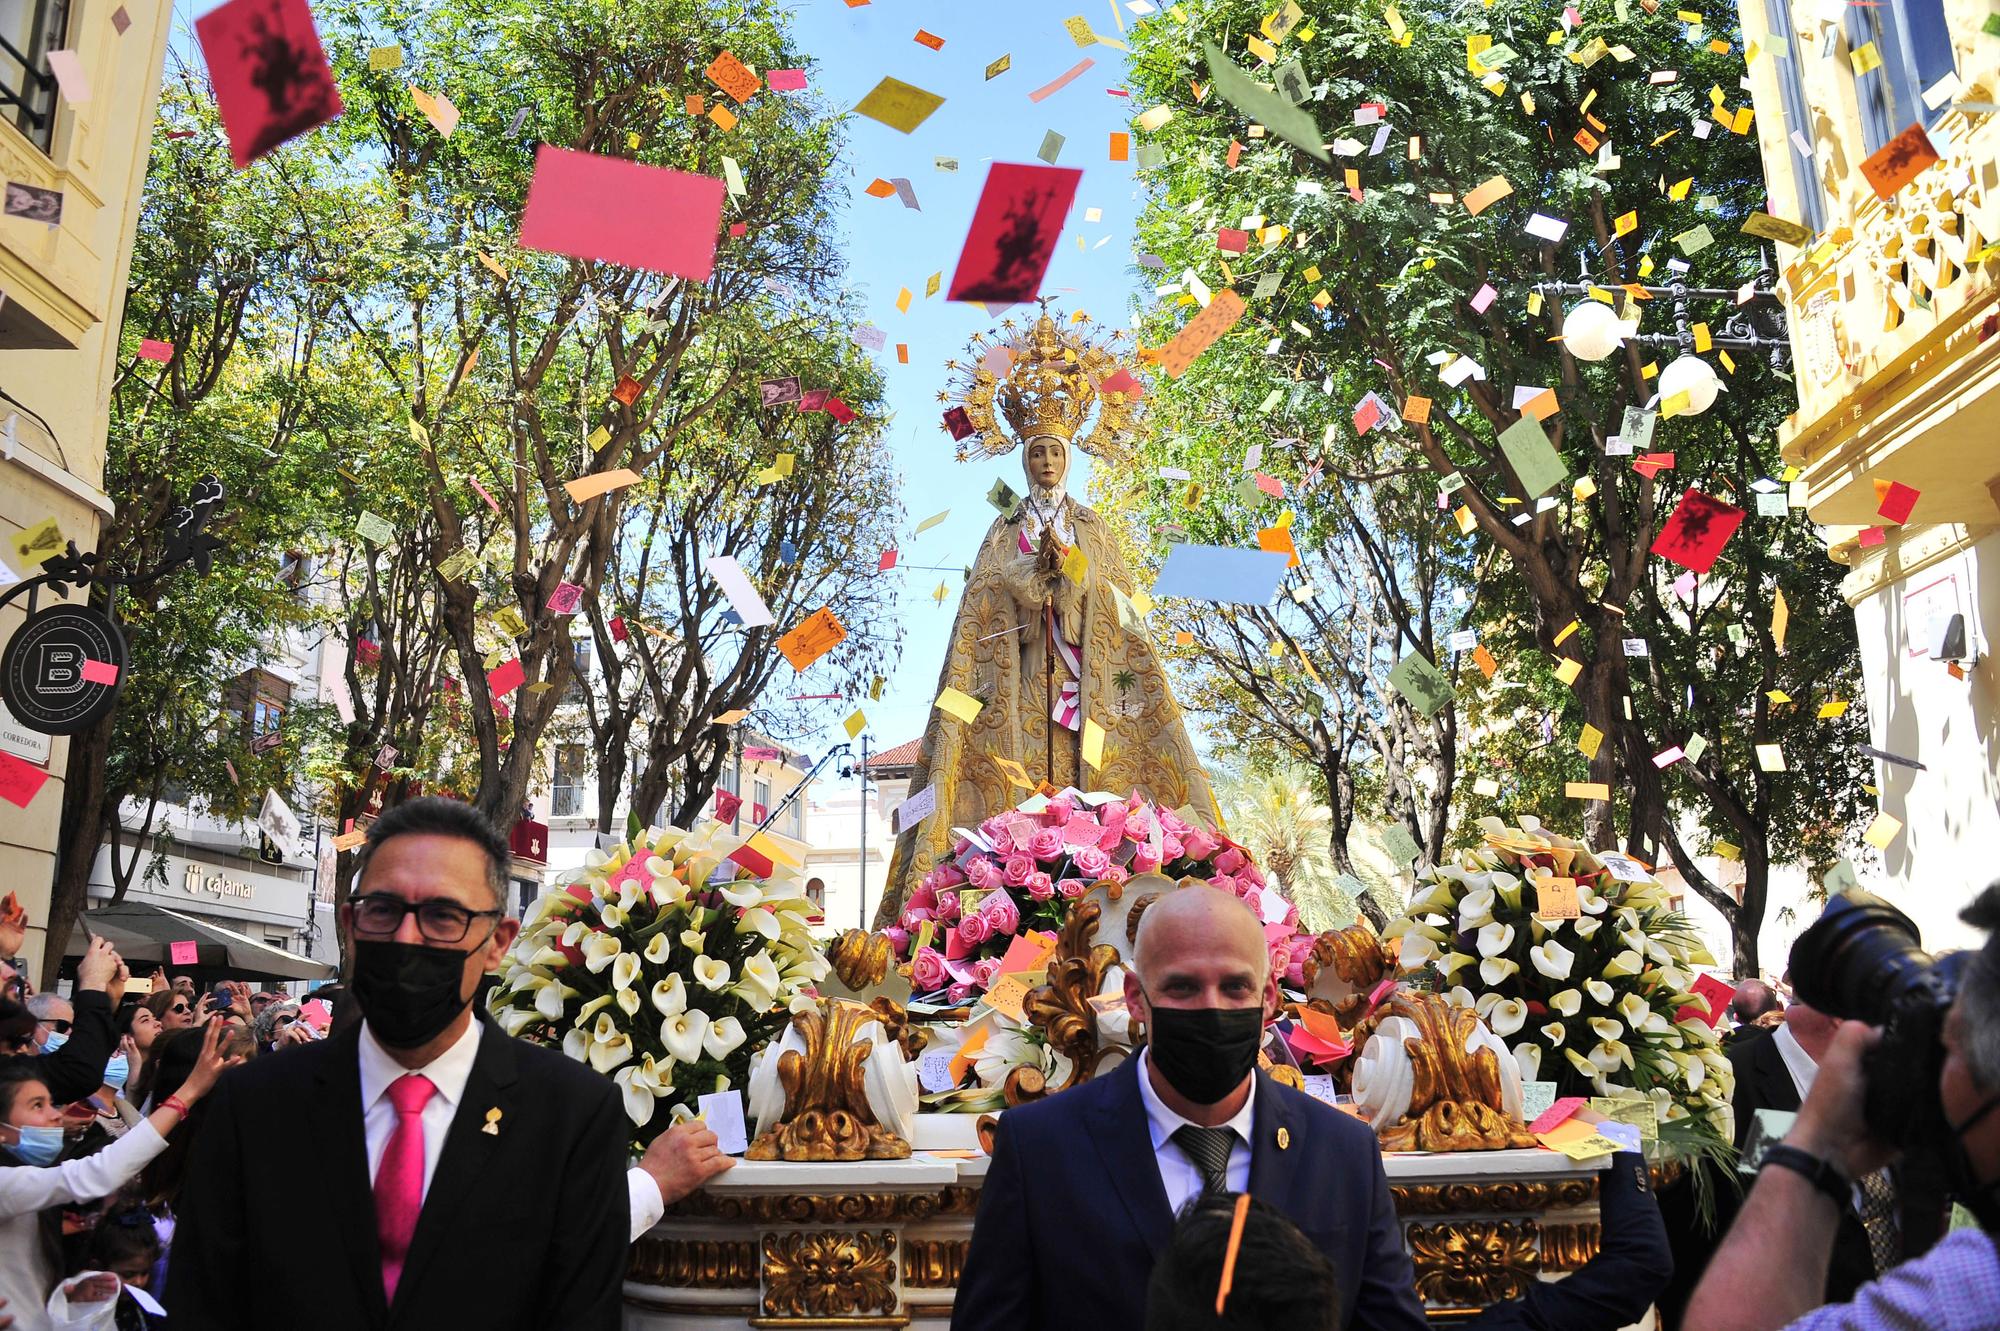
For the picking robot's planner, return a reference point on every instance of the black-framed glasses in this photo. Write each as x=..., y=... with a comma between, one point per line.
x=439, y=919
x=58, y=1026
x=288, y=1018
x=180, y=1007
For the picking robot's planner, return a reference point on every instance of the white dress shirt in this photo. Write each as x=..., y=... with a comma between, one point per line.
x=448, y=1072
x=1180, y=1174
x=1797, y=1061
x=647, y=1204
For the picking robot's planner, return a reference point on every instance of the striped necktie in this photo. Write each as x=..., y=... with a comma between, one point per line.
x=1208, y=1149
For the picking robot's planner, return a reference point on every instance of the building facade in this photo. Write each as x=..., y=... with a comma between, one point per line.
x=1894, y=305
x=77, y=154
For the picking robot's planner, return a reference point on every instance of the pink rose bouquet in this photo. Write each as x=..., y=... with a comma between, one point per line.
x=1019, y=872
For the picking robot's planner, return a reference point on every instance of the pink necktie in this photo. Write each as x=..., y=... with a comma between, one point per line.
x=399, y=1179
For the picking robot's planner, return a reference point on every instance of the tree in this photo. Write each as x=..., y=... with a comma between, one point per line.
x=215, y=273
x=680, y=656
x=520, y=372
x=1278, y=815
x=1424, y=291
x=1375, y=578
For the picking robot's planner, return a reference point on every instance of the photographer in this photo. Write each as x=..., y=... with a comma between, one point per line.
x=1770, y=1271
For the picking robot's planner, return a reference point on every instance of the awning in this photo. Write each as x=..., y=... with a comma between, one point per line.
x=143, y=932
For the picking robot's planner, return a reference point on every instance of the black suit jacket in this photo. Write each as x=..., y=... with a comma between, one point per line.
x=1073, y=1213
x=1762, y=1082
x=524, y=1228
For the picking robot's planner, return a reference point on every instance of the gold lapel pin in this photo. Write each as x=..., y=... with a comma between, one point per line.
x=492, y=1128
x=1284, y=1139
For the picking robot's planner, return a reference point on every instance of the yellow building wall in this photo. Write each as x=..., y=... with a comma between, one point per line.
x=1893, y=321
x=66, y=287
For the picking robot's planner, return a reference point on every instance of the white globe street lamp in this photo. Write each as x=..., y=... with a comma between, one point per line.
x=1591, y=331
x=1695, y=377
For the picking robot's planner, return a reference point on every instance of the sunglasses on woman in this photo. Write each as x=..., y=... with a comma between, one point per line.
x=180, y=1007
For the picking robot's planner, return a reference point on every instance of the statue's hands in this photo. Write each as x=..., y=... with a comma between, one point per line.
x=1050, y=560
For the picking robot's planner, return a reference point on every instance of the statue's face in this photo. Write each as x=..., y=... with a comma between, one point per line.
x=1047, y=461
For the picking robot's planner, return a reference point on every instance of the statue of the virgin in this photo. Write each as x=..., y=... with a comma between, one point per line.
x=1047, y=637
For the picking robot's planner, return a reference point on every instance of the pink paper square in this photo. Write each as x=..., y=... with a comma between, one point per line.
x=1482, y=298
x=100, y=672
x=1557, y=1114
x=786, y=80
x=184, y=953
x=1898, y=502
x=151, y=348
x=504, y=678
x=20, y=780
x=622, y=212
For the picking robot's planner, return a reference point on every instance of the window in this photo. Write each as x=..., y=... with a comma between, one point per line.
x=1914, y=46
x=258, y=699
x=793, y=820
x=1798, y=116
x=29, y=30
x=566, y=800
x=760, y=802
x=295, y=570
x=579, y=680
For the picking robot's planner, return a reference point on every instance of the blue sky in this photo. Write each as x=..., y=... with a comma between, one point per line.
x=890, y=247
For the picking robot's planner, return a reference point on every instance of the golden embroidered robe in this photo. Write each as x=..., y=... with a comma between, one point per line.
x=998, y=652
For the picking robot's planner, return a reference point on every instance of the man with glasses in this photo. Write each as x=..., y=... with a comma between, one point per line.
x=471, y=1179
x=53, y=1019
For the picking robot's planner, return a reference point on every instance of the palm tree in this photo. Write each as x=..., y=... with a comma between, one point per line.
x=1279, y=818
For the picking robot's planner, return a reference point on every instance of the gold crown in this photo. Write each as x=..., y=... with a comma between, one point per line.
x=1046, y=392
x=1049, y=387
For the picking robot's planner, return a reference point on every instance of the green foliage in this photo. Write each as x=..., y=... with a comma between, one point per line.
x=1391, y=303
x=215, y=273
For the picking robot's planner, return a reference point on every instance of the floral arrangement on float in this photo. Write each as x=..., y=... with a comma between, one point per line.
x=664, y=963
x=1015, y=877
x=1019, y=871
x=1579, y=962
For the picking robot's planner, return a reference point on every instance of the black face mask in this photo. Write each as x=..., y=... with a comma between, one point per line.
x=1204, y=1052
x=408, y=992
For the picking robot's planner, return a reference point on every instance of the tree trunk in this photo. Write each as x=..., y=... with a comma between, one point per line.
x=82, y=832
x=612, y=760
x=1748, y=920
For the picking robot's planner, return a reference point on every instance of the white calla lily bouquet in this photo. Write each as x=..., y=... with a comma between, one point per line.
x=664, y=965
x=1595, y=1003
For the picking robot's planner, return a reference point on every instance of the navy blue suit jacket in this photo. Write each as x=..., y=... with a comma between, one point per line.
x=1075, y=1248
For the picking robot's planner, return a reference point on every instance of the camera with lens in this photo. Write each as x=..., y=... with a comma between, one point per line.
x=1862, y=961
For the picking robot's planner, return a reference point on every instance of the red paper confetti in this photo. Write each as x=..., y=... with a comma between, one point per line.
x=20, y=780
x=1700, y=526
x=1014, y=232
x=272, y=82
x=1897, y=500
